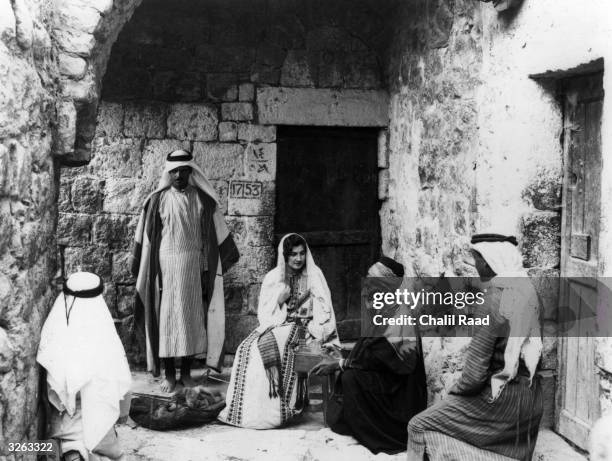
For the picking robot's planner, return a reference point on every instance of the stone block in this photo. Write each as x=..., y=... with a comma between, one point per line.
x=7, y=352
x=263, y=205
x=74, y=41
x=383, y=151
x=116, y=231
x=110, y=297
x=221, y=189
x=251, y=230
x=246, y=92
x=219, y=160
x=265, y=75
x=86, y=194
x=237, y=111
x=238, y=327
x=546, y=283
x=19, y=171
x=5, y=185
x=253, y=298
x=74, y=229
x=7, y=21
x=548, y=384
x=221, y=87
x=110, y=119
x=35, y=237
x=64, y=202
x=331, y=69
x=93, y=258
x=256, y=133
x=261, y=161
x=296, y=71
x=228, y=131
x=146, y=120
x=124, y=195
x=72, y=66
x=194, y=122
x=154, y=158
x=66, y=128
x=78, y=15
x=235, y=298
x=323, y=107
x=133, y=341
x=116, y=157
x=549, y=352
x=122, y=267
x=254, y=263
x=383, y=184
x=125, y=300
x=544, y=189
x=541, y=239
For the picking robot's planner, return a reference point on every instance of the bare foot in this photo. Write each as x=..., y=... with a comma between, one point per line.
x=187, y=381
x=168, y=384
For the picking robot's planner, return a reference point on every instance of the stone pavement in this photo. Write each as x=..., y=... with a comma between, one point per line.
x=306, y=440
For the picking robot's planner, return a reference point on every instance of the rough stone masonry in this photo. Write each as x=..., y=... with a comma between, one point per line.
x=472, y=139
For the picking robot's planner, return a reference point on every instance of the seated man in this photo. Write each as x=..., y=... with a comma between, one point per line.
x=87, y=375
x=382, y=382
x=493, y=411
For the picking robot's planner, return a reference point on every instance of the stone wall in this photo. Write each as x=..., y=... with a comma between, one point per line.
x=456, y=167
x=27, y=207
x=474, y=143
x=199, y=77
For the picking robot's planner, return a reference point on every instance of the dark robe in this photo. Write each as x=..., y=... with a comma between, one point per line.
x=508, y=425
x=380, y=392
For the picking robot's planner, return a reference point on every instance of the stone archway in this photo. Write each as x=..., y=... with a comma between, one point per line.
x=84, y=31
x=217, y=78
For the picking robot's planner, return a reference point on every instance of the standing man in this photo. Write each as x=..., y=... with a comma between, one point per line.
x=182, y=248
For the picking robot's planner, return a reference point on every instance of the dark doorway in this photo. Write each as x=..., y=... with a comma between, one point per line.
x=327, y=190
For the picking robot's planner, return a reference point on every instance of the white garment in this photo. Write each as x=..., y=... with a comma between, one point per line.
x=323, y=324
x=83, y=354
x=520, y=305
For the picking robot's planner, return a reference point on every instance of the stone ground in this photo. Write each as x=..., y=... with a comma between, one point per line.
x=307, y=440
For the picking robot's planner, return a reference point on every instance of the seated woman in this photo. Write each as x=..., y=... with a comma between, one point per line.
x=264, y=390
x=382, y=382
x=495, y=405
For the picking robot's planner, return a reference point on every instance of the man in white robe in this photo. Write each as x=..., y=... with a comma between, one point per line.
x=87, y=374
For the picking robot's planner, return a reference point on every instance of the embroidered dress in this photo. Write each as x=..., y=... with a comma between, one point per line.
x=259, y=397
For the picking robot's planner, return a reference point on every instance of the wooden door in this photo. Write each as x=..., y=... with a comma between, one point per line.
x=578, y=391
x=327, y=190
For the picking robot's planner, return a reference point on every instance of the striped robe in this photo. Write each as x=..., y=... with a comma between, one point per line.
x=147, y=261
x=504, y=428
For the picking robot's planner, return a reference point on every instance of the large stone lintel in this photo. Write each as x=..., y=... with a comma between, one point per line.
x=323, y=107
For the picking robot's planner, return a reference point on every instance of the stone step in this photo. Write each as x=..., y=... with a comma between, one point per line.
x=553, y=447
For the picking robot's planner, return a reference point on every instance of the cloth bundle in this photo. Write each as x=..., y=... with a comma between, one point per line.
x=187, y=408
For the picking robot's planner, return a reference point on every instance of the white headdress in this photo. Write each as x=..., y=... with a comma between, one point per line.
x=519, y=304
x=82, y=353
